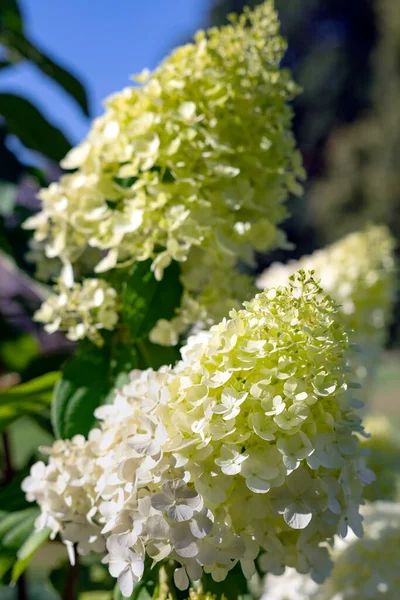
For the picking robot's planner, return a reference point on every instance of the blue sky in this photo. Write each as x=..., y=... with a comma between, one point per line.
x=103, y=42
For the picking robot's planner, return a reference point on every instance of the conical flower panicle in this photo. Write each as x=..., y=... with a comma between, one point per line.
x=244, y=451
x=194, y=165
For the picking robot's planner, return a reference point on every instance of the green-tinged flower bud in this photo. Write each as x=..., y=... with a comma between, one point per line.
x=359, y=273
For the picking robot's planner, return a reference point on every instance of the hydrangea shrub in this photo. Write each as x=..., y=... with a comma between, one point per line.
x=244, y=451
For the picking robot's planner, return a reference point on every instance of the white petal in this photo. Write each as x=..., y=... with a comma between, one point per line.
x=188, y=551
x=157, y=527
x=108, y=262
x=116, y=566
x=194, y=570
x=257, y=485
x=190, y=498
x=219, y=574
x=160, y=501
x=181, y=579
x=180, y=513
x=200, y=526
x=137, y=566
x=126, y=582
x=295, y=519
x=248, y=568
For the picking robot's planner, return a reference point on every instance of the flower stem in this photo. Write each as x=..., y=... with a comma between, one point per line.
x=22, y=593
x=71, y=586
x=8, y=466
x=144, y=352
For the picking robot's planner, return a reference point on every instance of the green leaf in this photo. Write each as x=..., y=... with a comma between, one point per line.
x=8, y=195
x=7, y=558
x=16, y=354
x=117, y=593
x=83, y=387
x=124, y=358
x=27, y=551
x=25, y=49
x=96, y=595
x=37, y=590
x=155, y=356
x=43, y=363
x=43, y=419
x=38, y=390
x=25, y=121
x=234, y=587
x=11, y=412
x=146, y=300
x=26, y=399
x=125, y=182
x=16, y=536
x=16, y=526
x=10, y=16
x=90, y=378
x=12, y=498
x=141, y=591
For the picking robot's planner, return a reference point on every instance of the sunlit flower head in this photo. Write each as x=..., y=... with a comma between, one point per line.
x=244, y=451
x=194, y=164
x=359, y=273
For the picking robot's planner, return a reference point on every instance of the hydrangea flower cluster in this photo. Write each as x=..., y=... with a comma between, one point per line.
x=365, y=569
x=245, y=450
x=80, y=309
x=193, y=165
x=358, y=271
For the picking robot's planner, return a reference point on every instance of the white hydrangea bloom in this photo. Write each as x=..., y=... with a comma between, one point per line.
x=364, y=569
x=81, y=310
x=172, y=172
x=359, y=273
x=245, y=447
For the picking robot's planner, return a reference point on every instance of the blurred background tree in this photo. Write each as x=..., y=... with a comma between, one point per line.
x=362, y=179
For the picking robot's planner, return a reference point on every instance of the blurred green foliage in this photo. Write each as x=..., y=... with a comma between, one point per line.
x=27, y=374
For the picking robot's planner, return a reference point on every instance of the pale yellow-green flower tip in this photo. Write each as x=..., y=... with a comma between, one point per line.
x=359, y=272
